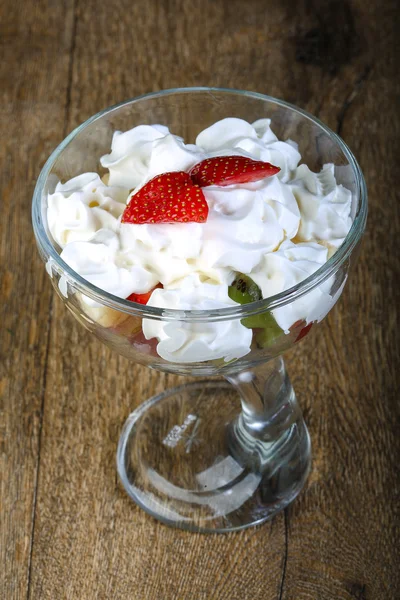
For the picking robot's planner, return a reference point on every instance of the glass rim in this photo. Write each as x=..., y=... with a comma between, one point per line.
x=218, y=314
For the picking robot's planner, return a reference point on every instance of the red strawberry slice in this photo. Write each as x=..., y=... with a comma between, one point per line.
x=227, y=170
x=167, y=198
x=143, y=298
x=303, y=331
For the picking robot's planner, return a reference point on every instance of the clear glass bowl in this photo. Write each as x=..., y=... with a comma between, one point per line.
x=213, y=455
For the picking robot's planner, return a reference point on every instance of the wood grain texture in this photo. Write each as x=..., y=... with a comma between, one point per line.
x=33, y=94
x=68, y=530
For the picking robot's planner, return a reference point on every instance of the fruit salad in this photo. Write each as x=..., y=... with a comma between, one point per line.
x=228, y=220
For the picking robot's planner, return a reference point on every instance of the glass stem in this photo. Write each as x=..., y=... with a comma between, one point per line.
x=269, y=405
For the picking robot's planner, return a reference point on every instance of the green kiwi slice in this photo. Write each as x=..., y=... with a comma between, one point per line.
x=244, y=290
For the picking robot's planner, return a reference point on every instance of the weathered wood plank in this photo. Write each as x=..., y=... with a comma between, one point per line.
x=342, y=531
x=33, y=92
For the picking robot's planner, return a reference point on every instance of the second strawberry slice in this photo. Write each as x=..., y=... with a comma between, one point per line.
x=228, y=170
x=167, y=198
x=143, y=298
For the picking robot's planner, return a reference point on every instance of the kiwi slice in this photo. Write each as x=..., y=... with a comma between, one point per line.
x=270, y=332
x=244, y=290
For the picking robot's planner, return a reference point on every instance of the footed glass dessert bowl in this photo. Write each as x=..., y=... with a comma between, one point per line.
x=227, y=452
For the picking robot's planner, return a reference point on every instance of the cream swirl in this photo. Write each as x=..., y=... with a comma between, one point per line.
x=324, y=206
x=240, y=228
x=187, y=342
x=100, y=262
x=285, y=268
x=144, y=152
x=169, y=250
x=82, y=206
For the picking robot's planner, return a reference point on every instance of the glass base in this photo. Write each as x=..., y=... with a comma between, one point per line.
x=184, y=457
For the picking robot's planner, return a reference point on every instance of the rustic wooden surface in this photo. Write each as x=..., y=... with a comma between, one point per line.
x=67, y=528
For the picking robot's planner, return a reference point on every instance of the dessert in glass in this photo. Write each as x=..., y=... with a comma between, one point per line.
x=203, y=232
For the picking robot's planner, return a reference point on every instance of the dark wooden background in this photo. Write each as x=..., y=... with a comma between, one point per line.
x=67, y=528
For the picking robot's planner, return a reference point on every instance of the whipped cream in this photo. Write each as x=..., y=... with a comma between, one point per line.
x=100, y=262
x=325, y=206
x=285, y=268
x=196, y=342
x=82, y=206
x=277, y=230
x=146, y=151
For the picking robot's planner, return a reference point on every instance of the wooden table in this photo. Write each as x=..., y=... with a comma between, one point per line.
x=67, y=528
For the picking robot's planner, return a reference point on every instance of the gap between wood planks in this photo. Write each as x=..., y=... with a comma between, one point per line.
x=49, y=321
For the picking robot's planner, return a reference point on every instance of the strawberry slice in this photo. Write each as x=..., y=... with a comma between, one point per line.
x=167, y=198
x=303, y=332
x=227, y=170
x=143, y=298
